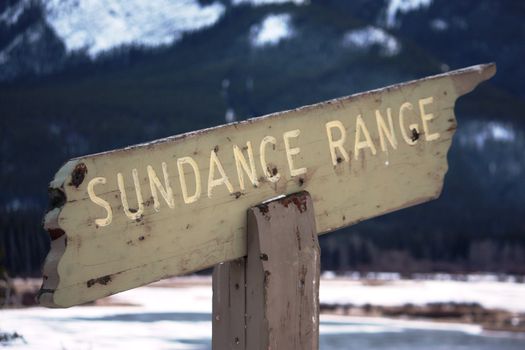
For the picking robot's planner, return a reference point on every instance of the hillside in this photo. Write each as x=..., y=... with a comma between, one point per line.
x=220, y=61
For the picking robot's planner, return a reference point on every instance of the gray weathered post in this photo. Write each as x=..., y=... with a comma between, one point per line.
x=270, y=299
x=229, y=296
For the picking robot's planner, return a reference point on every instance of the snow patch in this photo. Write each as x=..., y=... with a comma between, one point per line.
x=478, y=134
x=230, y=115
x=30, y=36
x=268, y=2
x=501, y=133
x=367, y=37
x=11, y=14
x=345, y=327
x=97, y=25
x=439, y=25
x=5, y=54
x=272, y=30
x=402, y=6
x=389, y=325
x=489, y=294
x=21, y=204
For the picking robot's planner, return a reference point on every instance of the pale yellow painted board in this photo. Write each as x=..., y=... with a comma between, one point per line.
x=88, y=261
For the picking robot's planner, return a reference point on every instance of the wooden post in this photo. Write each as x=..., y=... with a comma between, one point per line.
x=270, y=299
x=229, y=296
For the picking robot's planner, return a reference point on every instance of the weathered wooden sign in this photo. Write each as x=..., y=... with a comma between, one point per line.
x=129, y=217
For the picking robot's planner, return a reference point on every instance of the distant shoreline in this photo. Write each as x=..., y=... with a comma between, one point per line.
x=443, y=312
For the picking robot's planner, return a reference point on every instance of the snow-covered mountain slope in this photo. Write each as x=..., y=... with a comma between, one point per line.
x=95, y=26
x=39, y=35
x=397, y=7
x=98, y=25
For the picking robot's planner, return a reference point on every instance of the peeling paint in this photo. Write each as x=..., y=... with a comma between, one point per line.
x=415, y=135
x=55, y=233
x=78, y=175
x=101, y=280
x=298, y=199
x=57, y=198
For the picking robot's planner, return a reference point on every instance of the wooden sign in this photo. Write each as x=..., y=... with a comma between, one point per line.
x=125, y=218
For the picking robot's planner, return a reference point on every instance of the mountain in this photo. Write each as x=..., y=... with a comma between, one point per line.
x=80, y=77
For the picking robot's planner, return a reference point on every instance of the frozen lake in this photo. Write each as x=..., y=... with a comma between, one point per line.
x=120, y=329
x=179, y=318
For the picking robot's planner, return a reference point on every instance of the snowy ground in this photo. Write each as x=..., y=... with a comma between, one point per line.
x=167, y=317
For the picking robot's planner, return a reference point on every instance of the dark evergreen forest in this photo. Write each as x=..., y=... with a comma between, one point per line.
x=56, y=105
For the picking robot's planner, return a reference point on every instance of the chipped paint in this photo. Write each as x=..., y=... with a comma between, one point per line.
x=78, y=175
x=104, y=280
